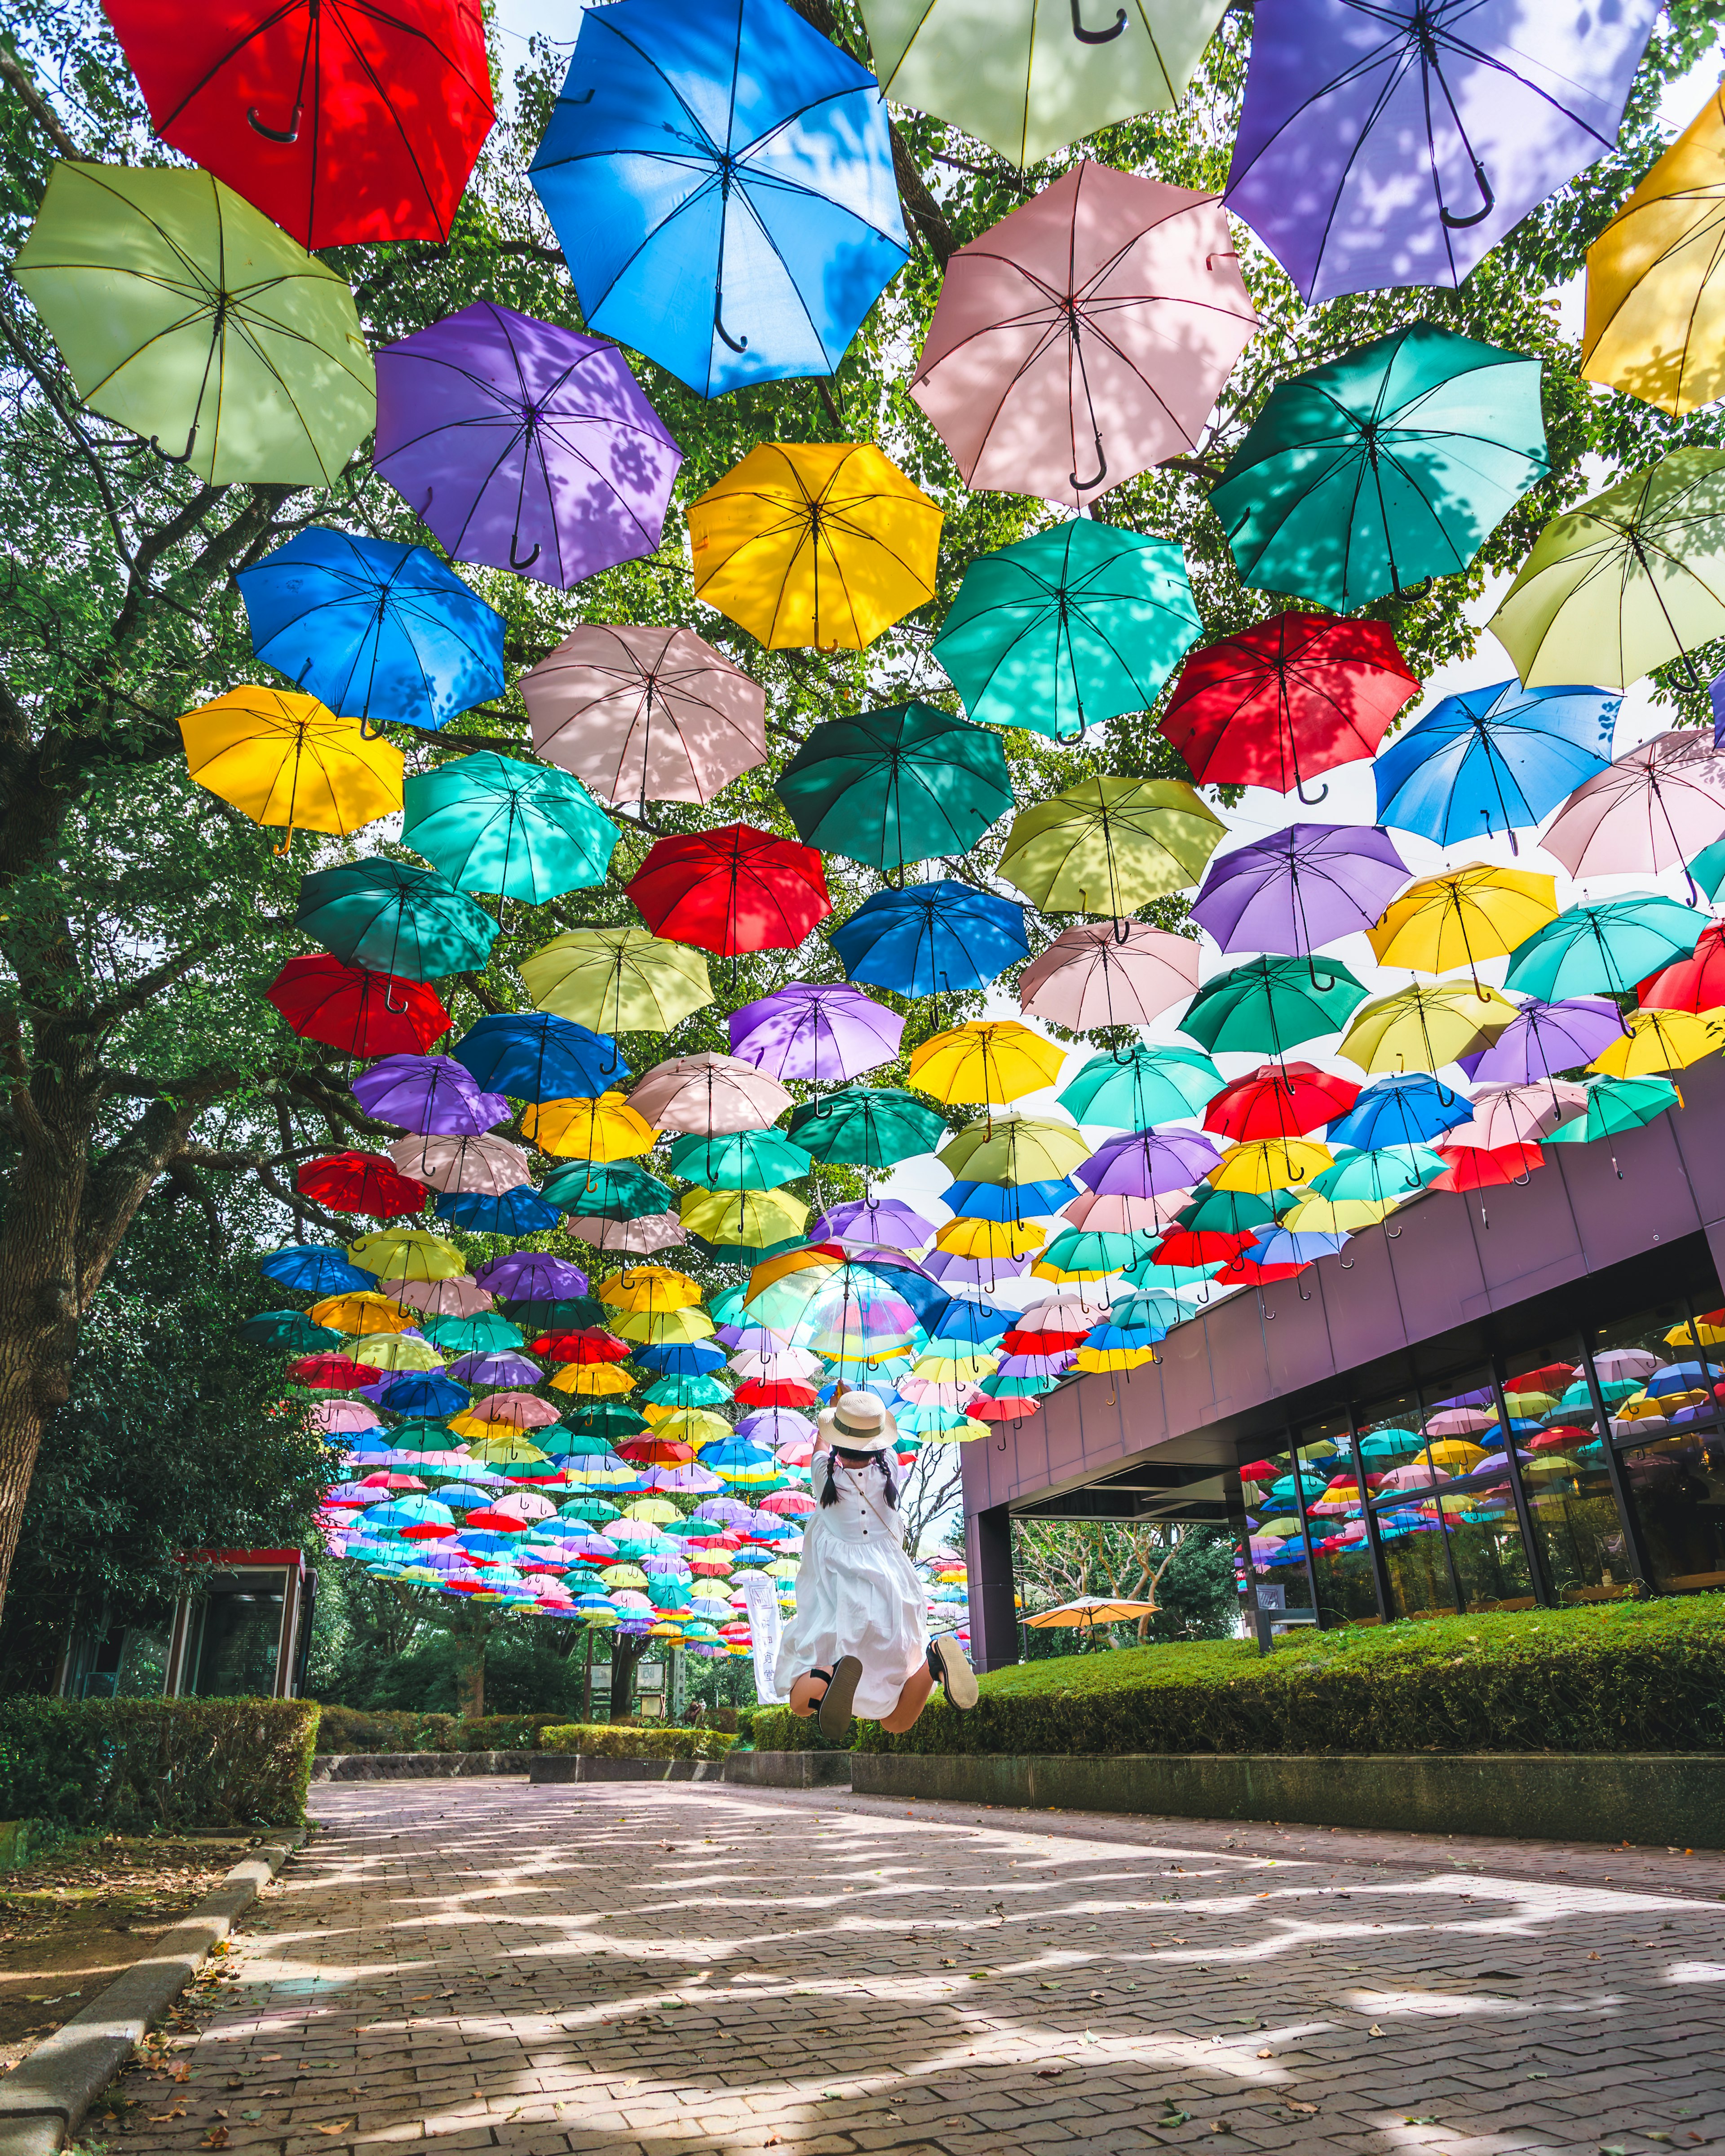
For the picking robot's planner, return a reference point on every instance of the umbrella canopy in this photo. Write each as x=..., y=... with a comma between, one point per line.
x=488, y=1165
x=730, y=890
x=1280, y=1101
x=930, y=938
x=1493, y=759
x=1114, y=973
x=315, y=1268
x=1615, y=1105
x=522, y=445
x=1067, y=628
x=1299, y=888
x=645, y=711
x=360, y=1182
x=1545, y=1038
x=1482, y=911
x=822, y=543
x=1406, y=1108
x=1654, y=283
x=1655, y=1040
x=1396, y=143
x=523, y=1276
x=1272, y=1004
x=353, y=1008
x=499, y=823
x=617, y=980
x=1694, y=983
x=896, y=785
x=986, y=1059
x=872, y=1126
x=604, y=1128
x=812, y=1031
x=1383, y=467
x=1138, y=1087
x=1109, y=845
x=187, y=317
x=1287, y=699
x=1592, y=949
x=1424, y=1029
x=1084, y=338
x=739, y=1160
x=711, y=1095
x=1650, y=809
x=282, y=759
x=343, y=122
x=375, y=629
x=428, y=1093
x=721, y=181
x=533, y=1056
x=402, y=920
x=1149, y=1162
x=1628, y=582
x=1265, y=1164
x=874, y=1220
x=743, y=1220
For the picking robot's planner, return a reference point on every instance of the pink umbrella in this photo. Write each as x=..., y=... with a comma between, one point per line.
x=638, y=712
x=1459, y=1422
x=340, y=1418
x=488, y=1165
x=1416, y=1476
x=711, y=1094
x=520, y=1410
x=629, y=1238
x=1084, y=338
x=1517, y=1114
x=1125, y=1215
x=1617, y=1362
x=1654, y=808
x=446, y=1298
x=1109, y=972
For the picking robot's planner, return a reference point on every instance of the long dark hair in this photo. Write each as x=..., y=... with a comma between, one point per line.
x=829, y=1495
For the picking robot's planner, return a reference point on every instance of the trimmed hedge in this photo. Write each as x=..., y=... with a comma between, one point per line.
x=1646, y=1677
x=777, y=1729
x=624, y=1740
x=135, y=1764
x=357, y=1729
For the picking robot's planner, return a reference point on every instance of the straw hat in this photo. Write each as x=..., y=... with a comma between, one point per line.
x=858, y=1422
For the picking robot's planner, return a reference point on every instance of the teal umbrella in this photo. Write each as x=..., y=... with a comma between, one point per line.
x=1383, y=1176
x=499, y=823
x=1089, y=1250
x=614, y=1190
x=1271, y=1005
x=1146, y=1273
x=1134, y=1089
x=289, y=1330
x=1067, y=628
x=1235, y=1212
x=1605, y=949
x=420, y=1434
x=484, y=1334
x=1614, y=1106
x=740, y=1160
x=867, y=1127
x=687, y=1393
x=897, y=785
x=1706, y=871
x=1386, y=466
x=393, y=919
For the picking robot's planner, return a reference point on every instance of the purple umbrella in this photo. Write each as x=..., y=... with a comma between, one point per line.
x=505, y=1370
x=947, y=1267
x=531, y=1276
x=1396, y=142
x=1302, y=887
x=775, y=1426
x=728, y=1512
x=1144, y=1162
x=874, y=1220
x=433, y=1094
x=827, y=1032
x=1543, y=1038
x=525, y=446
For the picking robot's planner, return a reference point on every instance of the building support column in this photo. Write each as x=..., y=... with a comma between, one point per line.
x=993, y=1591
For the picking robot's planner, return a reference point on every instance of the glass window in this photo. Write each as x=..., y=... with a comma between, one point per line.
x=1676, y=1485
x=1336, y=1524
x=237, y=1643
x=1571, y=1509
x=1277, y=1541
x=1661, y=1371
x=1391, y=1433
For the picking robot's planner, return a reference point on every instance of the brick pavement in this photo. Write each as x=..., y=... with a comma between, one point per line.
x=654, y=1969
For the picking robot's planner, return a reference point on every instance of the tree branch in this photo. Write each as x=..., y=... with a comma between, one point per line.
x=15, y=71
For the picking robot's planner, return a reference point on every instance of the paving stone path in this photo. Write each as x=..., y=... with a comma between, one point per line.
x=650, y=1969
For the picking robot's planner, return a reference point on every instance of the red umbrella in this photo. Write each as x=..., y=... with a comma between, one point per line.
x=654, y=1452
x=333, y=1374
x=345, y=121
x=1007, y=1407
x=362, y=1182
x=1294, y=696
x=1241, y=1272
x=589, y=1347
x=757, y=1393
x=1278, y=1100
x=1197, y=1247
x=1694, y=983
x=734, y=888
x=361, y=1013
x=1484, y=1167
x=1549, y=1378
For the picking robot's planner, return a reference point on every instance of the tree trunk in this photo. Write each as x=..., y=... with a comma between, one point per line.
x=587, y=1682
x=473, y=1681
x=625, y=1656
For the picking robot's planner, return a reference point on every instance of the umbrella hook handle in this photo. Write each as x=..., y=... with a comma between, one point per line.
x=531, y=559
x=366, y=732
x=1310, y=801
x=394, y=1011
x=1392, y=1235
x=288, y=134
x=1303, y=1296
x=737, y=344
x=1090, y=485
x=1346, y=1264
x=1097, y=37
x=1460, y=223
x=185, y=457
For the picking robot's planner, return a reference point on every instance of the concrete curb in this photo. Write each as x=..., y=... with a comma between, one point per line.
x=43, y=2098
x=552, y=1768
x=790, y=1770
x=413, y=1766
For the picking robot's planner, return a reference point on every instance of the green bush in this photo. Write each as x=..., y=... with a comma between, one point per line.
x=360, y=1729
x=777, y=1729
x=1645, y=1676
x=624, y=1740
x=134, y=1764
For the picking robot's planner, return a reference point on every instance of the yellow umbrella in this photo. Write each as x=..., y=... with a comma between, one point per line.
x=954, y=1369
x=649, y=1287
x=618, y=980
x=284, y=760
x=1476, y=912
x=593, y=1381
x=743, y=1220
x=406, y=1253
x=1095, y=1362
x=657, y=1328
x=986, y=1059
x=1638, y=1409
x=961, y=1434
x=624, y=1575
x=1424, y=1029
x=1659, y=1040
x=358, y=1311
x=1701, y=1334
x=1454, y=1453
x=990, y=1238
x=1013, y=1149
x=1270, y=1165
x=1093, y=1610
x=395, y=1351
x=1334, y=1216
x=694, y=1426
x=495, y=1443
x=822, y=543
x=1655, y=277
x=655, y=1511
x=1108, y=845
x=603, y=1129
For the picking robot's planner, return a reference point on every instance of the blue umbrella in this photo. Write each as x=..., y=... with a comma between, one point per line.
x=375, y=629
x=316, y=1268
x=932, y=939
x=1282, y=1246
x=720, y=177
x=1496, y=759
x=531, y=1056
x=1008, y=1201
x=1407, y=1108
x=1605, y=949
x=694, y=1361
x=521, y=1212
x=1680, y=1377
x=975, y=1324
x=418, y=1392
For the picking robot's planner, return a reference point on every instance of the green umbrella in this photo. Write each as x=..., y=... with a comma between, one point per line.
x=1614, y=1105
x=184, y=314
x=866, y=1127
x=1706, y=871
x=740, y=1160
x=1271, y=1004
x=422, y=1434
x=394, y=919
x=499, y=823
x=1137, y=1088
x=1235, y=1212
x=687, y=1393
x=603, y=1418
x=725, y=1307
x=741, y=1253
x=291, y=1330
x=481, y=1335
x=1068, y=627
x=1088, y=1251
x=1605, y=949
x=896, y=785
x=572, y=1313
x=1384, y=1176
x=616, y=1190
x=593, y=1510
x=1388, y=465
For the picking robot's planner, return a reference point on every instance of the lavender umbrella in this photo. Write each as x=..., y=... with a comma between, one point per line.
x=525, y=446
x=947, y=1267
x=828, y=1032
x=1300, y=888
x=481, y=1369
x=1143, y=1162
x=430, y=1094
x=1543, y=1038
x=1396, y=142
x=874, y=1220
x=774, y=1426
x=531, y=1276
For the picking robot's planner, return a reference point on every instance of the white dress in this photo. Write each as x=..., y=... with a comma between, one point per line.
x=857, y=1592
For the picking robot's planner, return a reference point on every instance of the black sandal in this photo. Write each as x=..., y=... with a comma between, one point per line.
x=952, y=1672
x=836, y=1701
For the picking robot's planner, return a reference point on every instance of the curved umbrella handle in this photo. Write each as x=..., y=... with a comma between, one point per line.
x=1304, y=1297
x=364, y=729
x=184, y=458
x=1090, y=485
x=1310, y=801
x=737, y=344
x=1097, y=37
x=1460, y=223
x=393, y=1010
x=288, y=134
x=529, y=561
